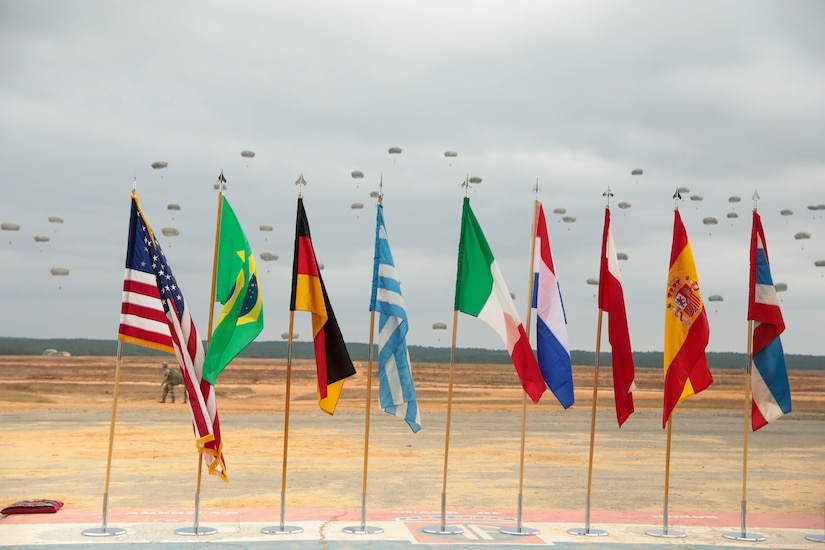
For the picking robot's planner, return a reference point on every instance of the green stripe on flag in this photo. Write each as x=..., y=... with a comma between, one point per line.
x=474, y=282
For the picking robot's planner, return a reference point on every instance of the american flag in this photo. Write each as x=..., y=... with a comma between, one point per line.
x=154, y=314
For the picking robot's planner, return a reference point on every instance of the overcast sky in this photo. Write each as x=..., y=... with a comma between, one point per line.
x=722, y=98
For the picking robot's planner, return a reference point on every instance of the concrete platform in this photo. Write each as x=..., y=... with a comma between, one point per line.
x=324, y=529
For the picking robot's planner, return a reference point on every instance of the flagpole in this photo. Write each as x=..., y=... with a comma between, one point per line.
x=196, y=529
x=104, y=530
x=597, y=363
x=743, y=535
x=664, y=532
x=282, y=529
x=444, y=529
x=520, y=530
x=363, y=529
x=677, y=196
x=587, y=530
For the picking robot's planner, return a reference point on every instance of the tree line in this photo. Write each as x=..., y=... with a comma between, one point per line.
x=360, y=352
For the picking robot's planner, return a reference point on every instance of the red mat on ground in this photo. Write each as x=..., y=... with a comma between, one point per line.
x=34, y=506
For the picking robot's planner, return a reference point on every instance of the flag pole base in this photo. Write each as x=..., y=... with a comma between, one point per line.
x=103, y=531
x=748, y=537
x=362, y=530
x=283, y=530
x=519, y=531
x=669, y=533
x=586, y=531
x=196, y=531
x=443, y=530
x=815, y=538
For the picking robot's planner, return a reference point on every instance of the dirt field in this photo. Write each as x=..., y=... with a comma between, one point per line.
x=56, y=416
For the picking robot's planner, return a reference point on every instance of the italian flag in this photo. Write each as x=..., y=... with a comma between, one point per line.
x=480, y=291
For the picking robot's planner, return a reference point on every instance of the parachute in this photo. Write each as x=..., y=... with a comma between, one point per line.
x=593, y=282
x=569, y=219
x=802, y=236
x=696, y=197
x=285, y=335
x=42, y=238
x=732, y=215
x=621, y=256
x=781, y=287
x=55, y=219
x=786, y=212
x=374, y=194
x=450, y=154
x=819, y=263
x=173, y=206
x=158, y=164
x=710, y=220
x=170, y=231
x=394, y=150
x=58, y=271
x=636, y=172
x=624, y=205
x=475, y=179
x=247, y=154
x=683, y=190
x=357, y=174
x=265, y=227
x=269, y=256
x=9, y=226
x=357, y=205
x=559, y=211
x=716, y=298
x=734, y=198
x=439, y=326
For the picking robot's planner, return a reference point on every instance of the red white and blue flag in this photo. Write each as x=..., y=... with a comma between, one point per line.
x=552, y=345
x=154, y=314
x=770, y=390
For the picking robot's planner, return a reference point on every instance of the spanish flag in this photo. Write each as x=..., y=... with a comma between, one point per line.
x=332, y=361
x=686, y=326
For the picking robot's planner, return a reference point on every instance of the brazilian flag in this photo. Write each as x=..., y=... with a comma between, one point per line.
x=236, y=287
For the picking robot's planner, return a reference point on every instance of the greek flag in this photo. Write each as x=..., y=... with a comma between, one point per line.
x=396, y=389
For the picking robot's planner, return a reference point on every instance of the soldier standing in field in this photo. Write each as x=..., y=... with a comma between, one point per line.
x=171, y=378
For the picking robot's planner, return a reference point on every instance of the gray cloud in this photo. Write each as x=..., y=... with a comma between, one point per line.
x=711, y=96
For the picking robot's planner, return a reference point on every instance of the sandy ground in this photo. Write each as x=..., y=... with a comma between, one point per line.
x=56, y=416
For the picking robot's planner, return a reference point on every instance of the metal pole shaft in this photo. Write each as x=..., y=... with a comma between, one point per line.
x=286, y=415
x=595, y=399
x=447, y=429
x=746, y=416
x=367, y=424
x=667, y=469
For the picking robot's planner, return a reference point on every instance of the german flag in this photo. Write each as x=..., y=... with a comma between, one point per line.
x=332, y=360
